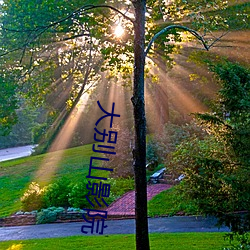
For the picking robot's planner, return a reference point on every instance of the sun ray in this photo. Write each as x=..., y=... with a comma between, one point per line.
x=50, y=163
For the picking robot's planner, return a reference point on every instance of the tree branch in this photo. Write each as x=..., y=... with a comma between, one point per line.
x=193, y=32
x=86, y=8
x=112, y=8
x=42, y=29
x=218, y=38
x=76, y=12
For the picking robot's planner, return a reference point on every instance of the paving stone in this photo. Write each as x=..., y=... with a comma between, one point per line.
x=125, y=206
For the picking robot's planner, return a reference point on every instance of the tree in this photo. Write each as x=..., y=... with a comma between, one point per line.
x=217, y=168
x=72, y=27
x=122, y=161
x=8, y=105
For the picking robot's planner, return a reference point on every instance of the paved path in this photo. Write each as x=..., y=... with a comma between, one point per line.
x=14, y=153
x=125, y=206
x=159, y=225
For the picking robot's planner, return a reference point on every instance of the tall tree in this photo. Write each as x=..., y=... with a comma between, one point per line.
x=216, y=167
x=157, y=23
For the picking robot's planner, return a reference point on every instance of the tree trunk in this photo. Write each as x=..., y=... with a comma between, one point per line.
x=139, y=152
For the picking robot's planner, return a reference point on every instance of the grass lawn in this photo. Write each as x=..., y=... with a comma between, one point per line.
x=169, y=241
x=16, y=175
x=169, y=202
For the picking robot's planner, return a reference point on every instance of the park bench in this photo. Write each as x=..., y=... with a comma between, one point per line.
x=182, y=176
x=155, y=177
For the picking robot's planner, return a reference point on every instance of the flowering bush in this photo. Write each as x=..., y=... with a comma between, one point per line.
x=33, y=197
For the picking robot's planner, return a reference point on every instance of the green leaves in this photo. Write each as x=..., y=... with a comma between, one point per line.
x=8, y=105
x=217, y=168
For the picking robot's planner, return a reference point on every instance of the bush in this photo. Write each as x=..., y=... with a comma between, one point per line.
x=57, y=193
x=48, y=215
x=162, y=144
x=243, y=242
x=33, y=198
x=77, y=195
x=73, y=209
x=118, y=187
x=64, y=193
x=38, y=131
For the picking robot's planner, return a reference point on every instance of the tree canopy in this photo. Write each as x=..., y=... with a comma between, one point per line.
x=216, y=168
x=57, y=45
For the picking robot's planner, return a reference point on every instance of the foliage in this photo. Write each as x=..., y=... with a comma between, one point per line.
x=48, y=215
x=236, y=16
x=38, y=131
x=122, y=161
x=205, y=175
x=22, y=132
x=243, y=242
x=56, y=194
x=216, y=168
x=56, y=49
x=152, y=156
x=8, y=105
x=161, y=144
x=33, y=197
x=77, y=195
x=119, y=186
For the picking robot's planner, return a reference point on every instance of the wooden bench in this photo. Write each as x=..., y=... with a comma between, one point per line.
x=155, y=177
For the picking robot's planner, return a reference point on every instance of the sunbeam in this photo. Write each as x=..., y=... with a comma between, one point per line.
x=51, y=161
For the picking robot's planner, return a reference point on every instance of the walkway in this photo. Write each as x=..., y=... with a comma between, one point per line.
x=125, y=206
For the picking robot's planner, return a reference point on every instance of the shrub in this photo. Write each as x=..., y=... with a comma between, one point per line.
x=164, y=143
x=77, y=195
x=48, y=215
x=33, y=198
x=57, y=193
x=118, y=187
x=73, y=209
x=243, y=242
x=38, y=131
x=122, y=185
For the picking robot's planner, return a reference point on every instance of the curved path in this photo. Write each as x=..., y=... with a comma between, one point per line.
x=125, y=206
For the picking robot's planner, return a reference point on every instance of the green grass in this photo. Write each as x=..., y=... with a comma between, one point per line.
x=170, y=241
x=169, y=202
x=16, y=175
